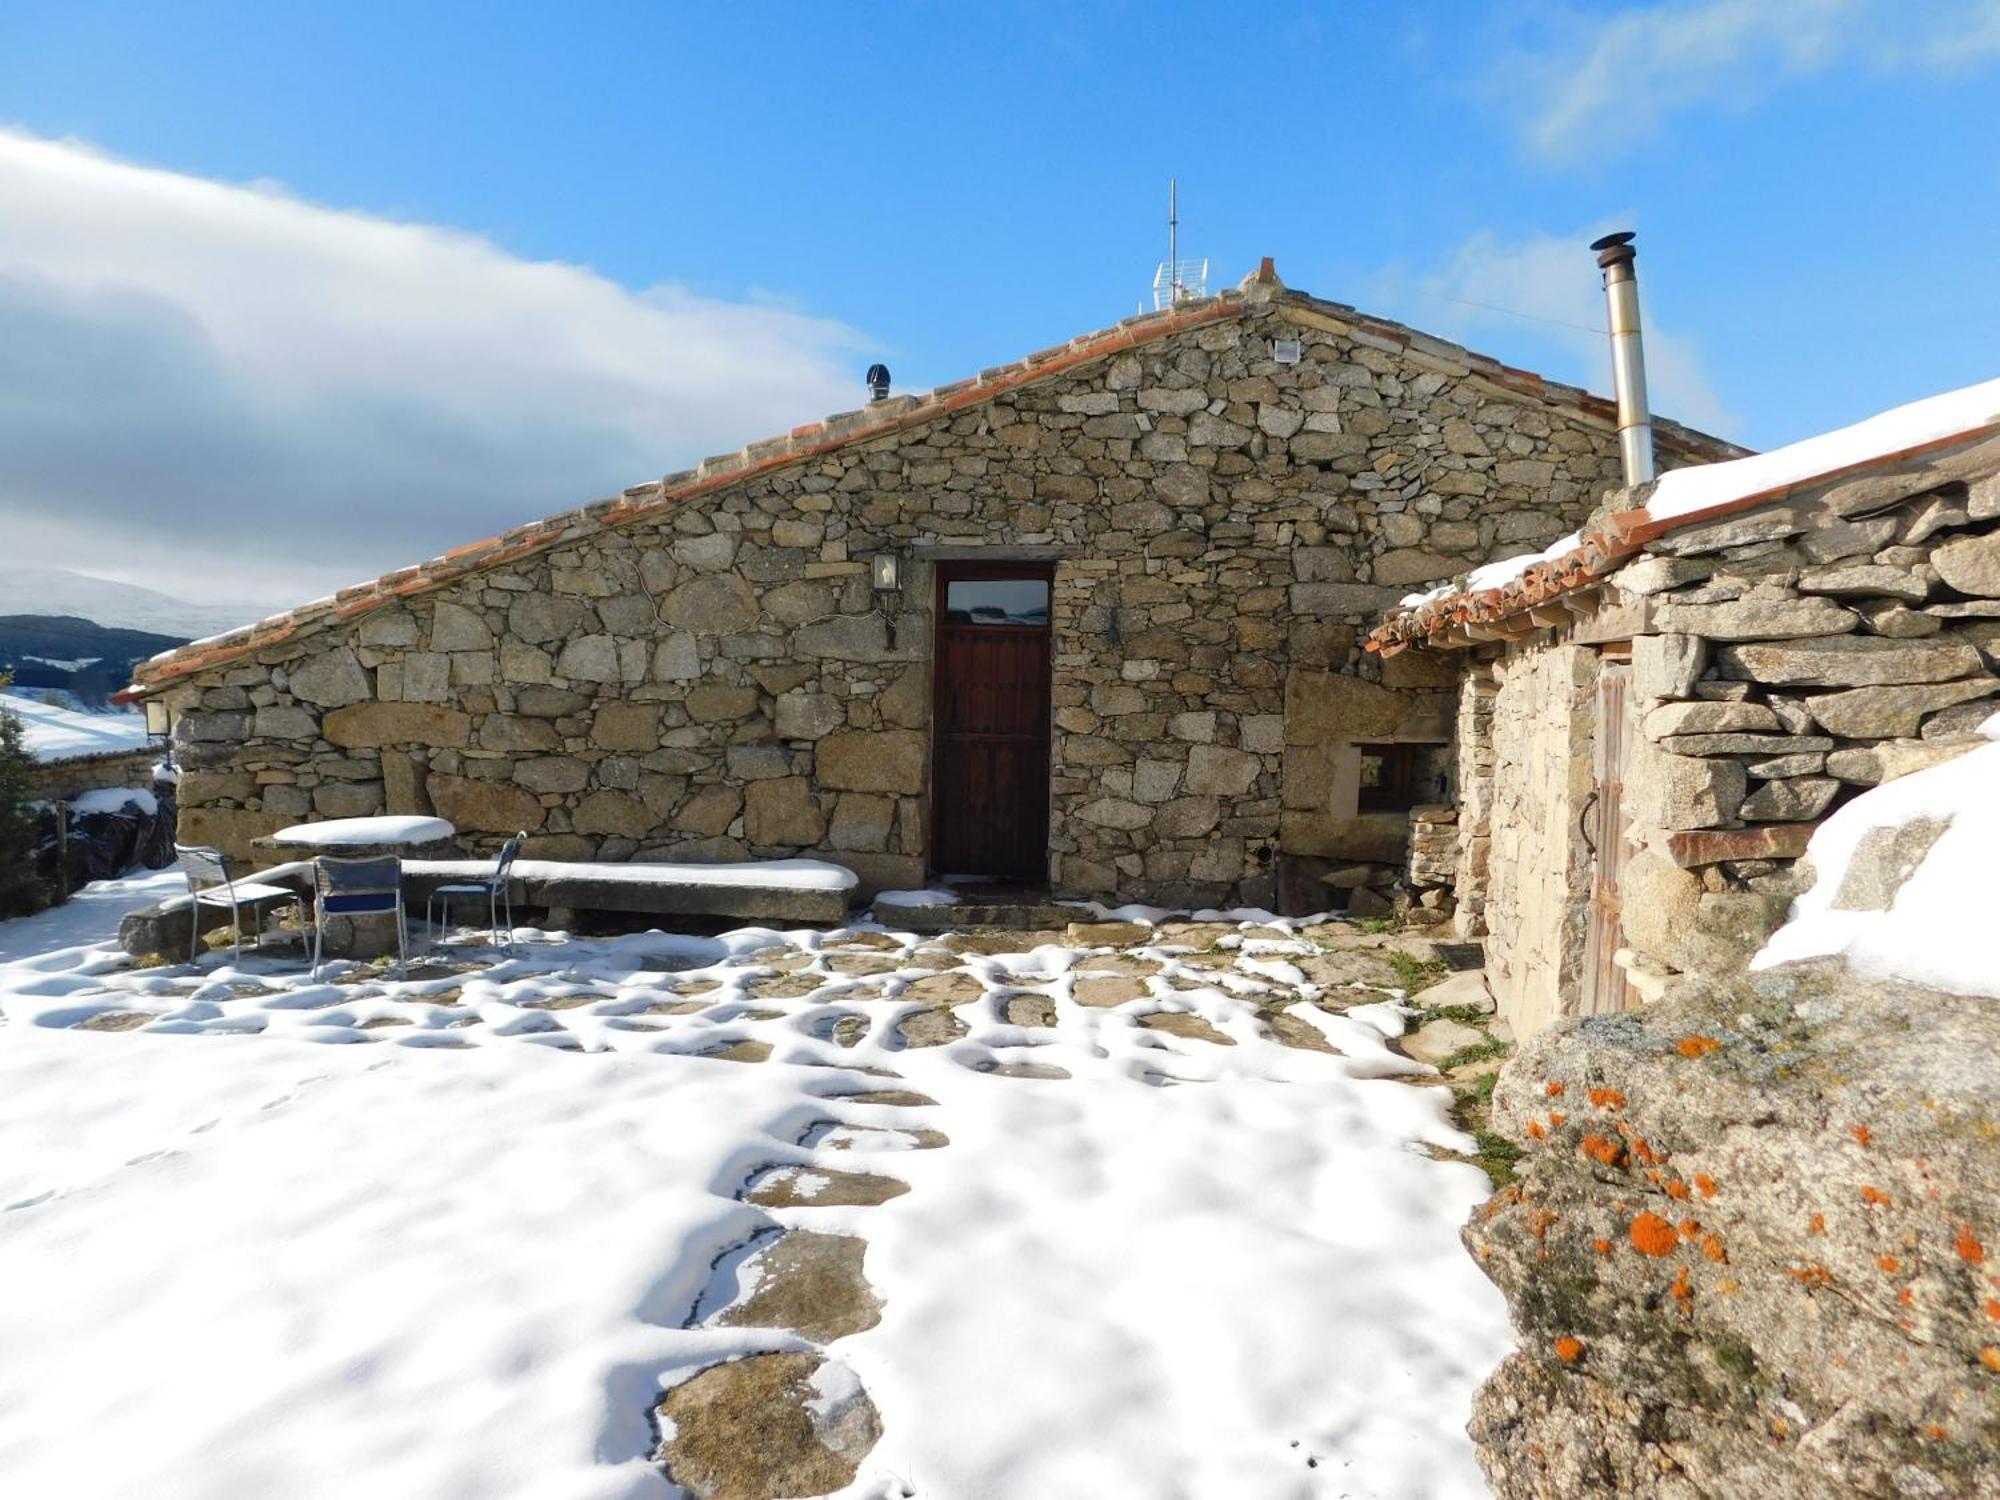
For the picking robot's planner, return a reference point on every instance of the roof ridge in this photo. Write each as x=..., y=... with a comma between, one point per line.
x=878, y=419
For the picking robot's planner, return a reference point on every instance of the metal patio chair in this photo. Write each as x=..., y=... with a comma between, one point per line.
x=210, y=884
x=495, y=889
x=360, y=888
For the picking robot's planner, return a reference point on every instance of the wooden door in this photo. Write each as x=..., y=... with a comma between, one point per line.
x=990, y=719
x=1605, y=987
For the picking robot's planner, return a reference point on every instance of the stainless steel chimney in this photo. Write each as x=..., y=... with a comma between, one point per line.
x=1628, y=356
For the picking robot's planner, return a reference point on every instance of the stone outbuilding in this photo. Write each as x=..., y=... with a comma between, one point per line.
x=1093, y=620
x=1657, y=712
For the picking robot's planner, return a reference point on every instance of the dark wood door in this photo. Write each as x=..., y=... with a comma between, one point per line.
x=1605, y=986
x=990, y=776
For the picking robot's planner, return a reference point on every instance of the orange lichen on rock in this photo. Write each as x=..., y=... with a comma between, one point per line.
x=1875, y=1196
x=1569, y=1349
x=1552, y=1090
x=1644, y=1152
x=1812, y=1275
x=1697, y=1046
x=1653, y=1235
x=1711, y=1246
x=1817, y=1225
x=1690, y=1228
x=1602, y=1247
x=1556, y=1117
x=1539, y=1222
x=1535, y=1131
x=1993, y=1308
x=1907, y=1296
x=1602, y=1148
x=1705, y=1184
x=1861, y=1133
x=1990, y=1357
x=1677, y=1189
x=1935, y=1431
x=1683, y=1288
x=1607, y=1098
x=1889, y=1264
x=1968, y=1247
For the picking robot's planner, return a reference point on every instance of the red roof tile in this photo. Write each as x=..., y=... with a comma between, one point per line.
x=1260, y=292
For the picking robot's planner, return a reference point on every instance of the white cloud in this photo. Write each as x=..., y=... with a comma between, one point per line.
x=227, y=390
x=1544, y=291
x=1596, y=85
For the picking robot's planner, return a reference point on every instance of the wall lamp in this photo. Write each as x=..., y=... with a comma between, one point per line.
x=886, y=570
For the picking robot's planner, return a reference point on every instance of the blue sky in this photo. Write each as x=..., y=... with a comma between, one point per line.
x=944, y=186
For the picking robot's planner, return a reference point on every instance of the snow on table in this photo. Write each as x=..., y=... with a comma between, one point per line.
x=266, y=1265
x=342, y=833
x=52, y=733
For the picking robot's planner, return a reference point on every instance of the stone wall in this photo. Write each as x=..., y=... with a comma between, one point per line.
x=57, y=781
x=1798, y=654
x=1542, y=728
x=718, y=680
x=1782, y=660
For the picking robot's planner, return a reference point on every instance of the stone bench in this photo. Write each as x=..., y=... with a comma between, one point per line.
x=789, y=890
x=162, y=928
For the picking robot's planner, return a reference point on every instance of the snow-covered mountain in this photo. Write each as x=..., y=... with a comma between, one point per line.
x=57, y=591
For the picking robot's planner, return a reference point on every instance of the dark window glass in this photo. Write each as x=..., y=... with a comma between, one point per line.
x=997, y=601
x=1396, y=778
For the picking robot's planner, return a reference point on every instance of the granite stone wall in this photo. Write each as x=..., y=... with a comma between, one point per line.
x=1783, y=660
x=719, y=680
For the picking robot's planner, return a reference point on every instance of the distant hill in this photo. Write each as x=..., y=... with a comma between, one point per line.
x=84, y=661
x=125, y=606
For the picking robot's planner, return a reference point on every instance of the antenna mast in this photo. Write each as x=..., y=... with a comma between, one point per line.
x=1177, y=280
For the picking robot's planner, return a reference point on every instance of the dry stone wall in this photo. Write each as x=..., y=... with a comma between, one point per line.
x=1782, y=661
x=719, y=680
x=1543, y=722
x=1800, y=653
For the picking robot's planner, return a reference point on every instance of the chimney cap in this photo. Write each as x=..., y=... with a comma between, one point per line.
x=1614, y=248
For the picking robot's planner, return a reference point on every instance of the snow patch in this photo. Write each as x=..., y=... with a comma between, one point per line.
x=1939, y=929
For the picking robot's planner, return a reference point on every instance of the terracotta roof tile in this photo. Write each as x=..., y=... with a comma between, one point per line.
x=879, y=419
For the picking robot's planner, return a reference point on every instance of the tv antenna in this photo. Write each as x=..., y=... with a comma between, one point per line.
x=1177, y=280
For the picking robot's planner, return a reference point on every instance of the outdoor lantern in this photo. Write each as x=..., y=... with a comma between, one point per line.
x=156, y=717
x=888, y=568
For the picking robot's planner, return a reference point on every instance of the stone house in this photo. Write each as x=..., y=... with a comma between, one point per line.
x=1656, y=715
x=1093, y=620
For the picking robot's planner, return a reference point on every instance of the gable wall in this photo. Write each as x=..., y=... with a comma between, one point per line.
x=720, y=681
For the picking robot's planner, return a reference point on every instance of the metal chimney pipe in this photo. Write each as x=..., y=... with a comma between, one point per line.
x=1628, y=356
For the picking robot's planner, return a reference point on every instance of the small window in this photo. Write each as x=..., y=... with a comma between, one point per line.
x=997, y=601
x=1396, y=778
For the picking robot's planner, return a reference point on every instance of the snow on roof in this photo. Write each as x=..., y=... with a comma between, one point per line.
x=52, y=733
x=1685, y=496
x=1898, y=430
x=1938, y=929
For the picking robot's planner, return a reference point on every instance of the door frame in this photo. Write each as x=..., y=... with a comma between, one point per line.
x=944, y=572
x=1605, y=987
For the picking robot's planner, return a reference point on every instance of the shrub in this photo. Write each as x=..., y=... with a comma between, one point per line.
x=21, y=889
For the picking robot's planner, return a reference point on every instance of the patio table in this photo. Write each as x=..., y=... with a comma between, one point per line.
x=362, y=838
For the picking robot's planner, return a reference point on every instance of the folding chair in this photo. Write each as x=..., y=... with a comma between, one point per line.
x=210, y=884
x=359, y=888
x=496, y=889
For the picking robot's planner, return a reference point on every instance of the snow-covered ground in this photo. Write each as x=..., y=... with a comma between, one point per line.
x=445, y=1236
x=51, y=732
